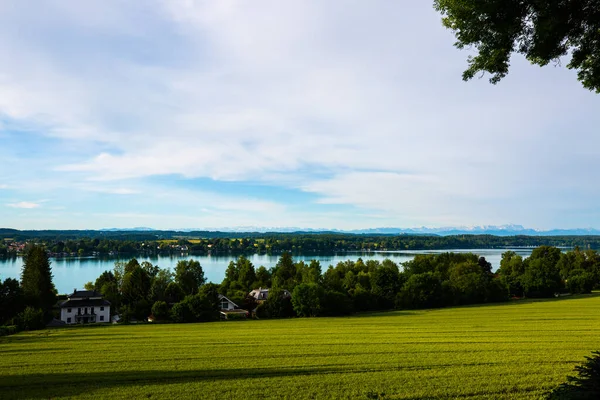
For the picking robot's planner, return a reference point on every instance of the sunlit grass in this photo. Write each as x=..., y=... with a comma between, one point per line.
x=517, y=350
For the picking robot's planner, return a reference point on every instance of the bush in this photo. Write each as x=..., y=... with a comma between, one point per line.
x=584, y=386
x=497, y=291
x=203, y=307
x=236, y=317
x=141, y=310
x=421, y=291
x=306, y=299
x=160, y=310
x=31, y=319
x=181, y=312
x=362, y=300
x=196, y=308
x=335, y=303
x=580, y=281
x=277, y=305
x=8, y=330
x=127, y=314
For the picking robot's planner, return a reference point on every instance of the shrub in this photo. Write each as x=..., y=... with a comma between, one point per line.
x=421, y=291
x=497, y=291
x=127, y=313
x=141, y=309
x=362, y=300
x=584, y=386
x=277, y=305
x=266, y=310
x=31, y=319
x=335, y=303
x=8, y=330
x=160, y=310
x=236, y=317
x=580, y=281
x=181, y=312
x=196, y=308
x=306, y=299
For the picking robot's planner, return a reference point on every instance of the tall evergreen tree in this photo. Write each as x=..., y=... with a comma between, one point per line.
x=36, y=279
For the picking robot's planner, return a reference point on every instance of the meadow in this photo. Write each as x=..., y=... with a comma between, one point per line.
x=517, y=350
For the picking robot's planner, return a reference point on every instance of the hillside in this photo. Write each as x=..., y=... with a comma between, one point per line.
x=517, y=350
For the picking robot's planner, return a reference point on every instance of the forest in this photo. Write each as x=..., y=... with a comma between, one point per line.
x=101, y=243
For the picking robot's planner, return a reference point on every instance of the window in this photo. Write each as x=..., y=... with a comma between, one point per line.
x=79, y=311
x=68, y=320
x=102, y=318
x=68, y=310
x=101, y=308
x=225, y=305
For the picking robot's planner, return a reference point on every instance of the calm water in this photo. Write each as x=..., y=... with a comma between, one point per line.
x=70, y=273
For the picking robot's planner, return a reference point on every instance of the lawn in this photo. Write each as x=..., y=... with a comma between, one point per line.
x=517, y=350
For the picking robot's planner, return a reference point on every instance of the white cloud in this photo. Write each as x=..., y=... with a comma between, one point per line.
x=24, y=204
x=110, y=190
x=4, y=186
x=289, y=92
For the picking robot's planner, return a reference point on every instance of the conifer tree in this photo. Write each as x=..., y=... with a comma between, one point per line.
x=36, y=279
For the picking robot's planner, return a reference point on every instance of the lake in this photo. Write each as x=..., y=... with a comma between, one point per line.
x=70, y=273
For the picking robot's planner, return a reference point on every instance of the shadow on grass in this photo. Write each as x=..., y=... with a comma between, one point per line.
x=539, y=300
x=43, y=386
x=48, y=385
x=367, y=314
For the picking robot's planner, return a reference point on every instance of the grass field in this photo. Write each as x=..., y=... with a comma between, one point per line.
x=511, y=351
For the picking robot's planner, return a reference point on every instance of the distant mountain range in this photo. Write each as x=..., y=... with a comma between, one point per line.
x=500, y=230
x=136, y=229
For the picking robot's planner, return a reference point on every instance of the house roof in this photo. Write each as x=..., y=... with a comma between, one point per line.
x=55, y=322
x=262, y=294
x=221, y=297
x=84, y=303
x=84, y=294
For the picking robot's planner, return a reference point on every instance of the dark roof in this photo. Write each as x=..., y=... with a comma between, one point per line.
x=85, y=293
x=84, y=303
x=235, y=311
x=56, y=322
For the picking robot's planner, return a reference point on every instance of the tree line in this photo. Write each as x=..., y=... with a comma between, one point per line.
x=291, y=242
x=427, y=281
x=137, y=290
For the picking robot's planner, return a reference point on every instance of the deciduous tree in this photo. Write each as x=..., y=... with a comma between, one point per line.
x=542, y=31
x=190, y=276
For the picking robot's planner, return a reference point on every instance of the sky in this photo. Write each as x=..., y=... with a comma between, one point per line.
x=340, y=114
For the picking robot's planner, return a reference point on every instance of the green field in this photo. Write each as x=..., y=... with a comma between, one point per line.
x=517, y=350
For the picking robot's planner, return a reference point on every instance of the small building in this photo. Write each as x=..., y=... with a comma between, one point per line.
x=261, y=294
x=229, y=308
x=85, y=307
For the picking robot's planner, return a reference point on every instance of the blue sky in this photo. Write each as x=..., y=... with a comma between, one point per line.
x=337, y=114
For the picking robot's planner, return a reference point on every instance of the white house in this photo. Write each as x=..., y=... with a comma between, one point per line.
x=85, y=307
x=261, y=294
x=228, y=307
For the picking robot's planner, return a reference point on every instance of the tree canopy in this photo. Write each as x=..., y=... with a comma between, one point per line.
x=541, y=30
x=190, y=276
